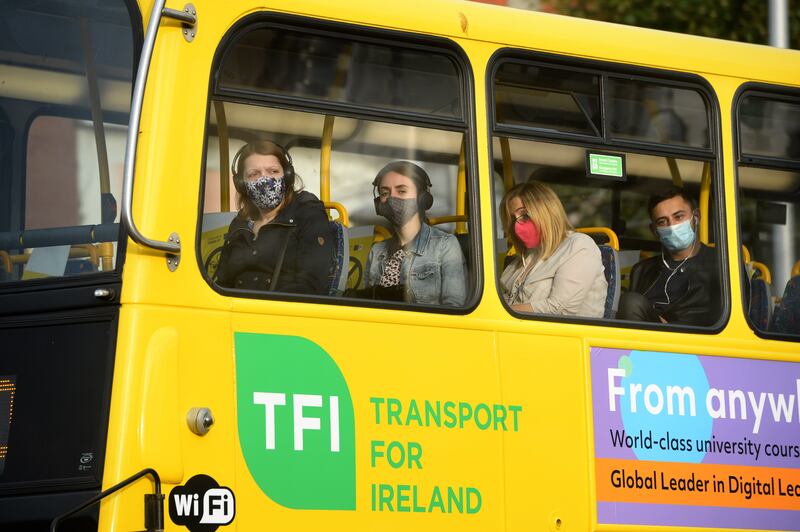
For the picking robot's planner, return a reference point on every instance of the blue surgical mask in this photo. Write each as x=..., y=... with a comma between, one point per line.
x=677, y=237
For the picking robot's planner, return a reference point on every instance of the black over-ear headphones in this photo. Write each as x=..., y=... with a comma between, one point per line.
x=413, y=172
x=260, y=146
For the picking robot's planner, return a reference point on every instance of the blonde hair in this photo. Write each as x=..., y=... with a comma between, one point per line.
x=546, y=211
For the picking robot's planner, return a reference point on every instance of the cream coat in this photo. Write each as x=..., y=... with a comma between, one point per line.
x=569, y=283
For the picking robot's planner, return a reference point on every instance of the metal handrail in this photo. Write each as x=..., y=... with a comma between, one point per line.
x=174, y=246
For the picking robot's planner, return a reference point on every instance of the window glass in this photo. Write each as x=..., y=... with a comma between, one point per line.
x=360, y=148
x=609, y=211
x=649, y=112
x=292, y=63
x=336, y=203
x=769, y=214
x=60, y=168
x=769, y=127
x=589, y=232
x=531, y=95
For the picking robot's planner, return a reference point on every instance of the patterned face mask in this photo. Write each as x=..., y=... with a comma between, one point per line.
x=398, y=211
x=266, y=192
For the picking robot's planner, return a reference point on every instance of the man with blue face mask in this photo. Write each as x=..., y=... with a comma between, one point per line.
x=681, y=284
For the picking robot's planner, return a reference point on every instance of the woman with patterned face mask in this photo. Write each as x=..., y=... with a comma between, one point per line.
x=280, y=240
x=419, y=264
x=555, y=270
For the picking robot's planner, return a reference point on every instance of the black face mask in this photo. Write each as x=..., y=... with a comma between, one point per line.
x=398, y=211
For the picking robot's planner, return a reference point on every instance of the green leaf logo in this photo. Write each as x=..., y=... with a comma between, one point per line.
x=296, y=423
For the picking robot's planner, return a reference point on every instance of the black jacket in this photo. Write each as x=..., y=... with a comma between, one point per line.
x=302, y=228
x=700, y=304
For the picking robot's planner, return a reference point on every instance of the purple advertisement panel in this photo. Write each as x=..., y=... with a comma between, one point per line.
x=688, y=440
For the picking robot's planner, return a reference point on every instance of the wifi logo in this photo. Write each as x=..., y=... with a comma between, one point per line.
x=202, y=505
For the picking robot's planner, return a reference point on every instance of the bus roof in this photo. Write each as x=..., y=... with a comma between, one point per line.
x=545, y=32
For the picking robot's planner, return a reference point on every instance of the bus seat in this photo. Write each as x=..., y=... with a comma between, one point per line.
x=79, y=267
x=341, y=211
x=463, y=242
x=340, y=267
x=759, y=307
x=787, y=314
x=611, y=272
x=611, y=238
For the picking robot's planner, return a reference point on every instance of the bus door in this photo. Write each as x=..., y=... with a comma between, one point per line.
x=65, y=84
x=376, y=401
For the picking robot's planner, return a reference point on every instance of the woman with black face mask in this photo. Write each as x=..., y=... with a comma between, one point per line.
x=419, y=264
x=280, y=240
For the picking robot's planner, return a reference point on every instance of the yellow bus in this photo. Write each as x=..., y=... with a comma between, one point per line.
x=139, y=390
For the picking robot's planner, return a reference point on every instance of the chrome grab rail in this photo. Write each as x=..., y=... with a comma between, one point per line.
x=172, y=246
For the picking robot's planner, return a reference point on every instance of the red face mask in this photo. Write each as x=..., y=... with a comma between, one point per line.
x=528, y=233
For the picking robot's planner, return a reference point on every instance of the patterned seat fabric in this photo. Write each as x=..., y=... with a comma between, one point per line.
x=611, y=271
x=758, y=312
x=341, y=260
x=787, y=315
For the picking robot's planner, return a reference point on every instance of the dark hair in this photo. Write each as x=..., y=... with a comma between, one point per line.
x=261, y=147
x=412, y=171
x=669, y=193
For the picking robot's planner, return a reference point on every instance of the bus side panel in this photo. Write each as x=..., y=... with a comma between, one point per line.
x=546, y=462
x=426, y=453
x=170, y=360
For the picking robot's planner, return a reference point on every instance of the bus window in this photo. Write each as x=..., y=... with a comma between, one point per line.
x=360, y=115
x=619, y=194
x=63, y=110
x=769, y=180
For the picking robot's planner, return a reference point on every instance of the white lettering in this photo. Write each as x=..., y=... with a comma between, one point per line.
x=680, y=393
x=733, y=397
x=781, y=407
x=613, y=389
x=719, y=411
x=758, y=409
x=653, y=389
x=270, y=401
x=301, y=422
x=635, y=390
x=334, y=424
x=183, y=503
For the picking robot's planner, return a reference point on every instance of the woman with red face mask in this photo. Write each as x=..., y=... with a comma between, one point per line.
x=555, y=270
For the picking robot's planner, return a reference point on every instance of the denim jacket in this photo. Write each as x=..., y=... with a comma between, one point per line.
x=433, y=271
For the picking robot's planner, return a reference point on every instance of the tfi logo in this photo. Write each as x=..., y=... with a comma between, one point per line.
x=300, y=421
x=296, y=424
x=201, y=505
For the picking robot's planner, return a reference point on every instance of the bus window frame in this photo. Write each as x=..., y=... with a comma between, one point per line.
x=783, y=93
x=56, y=282
x=604, y=71
x=713, y=155
x=465, y=126
x=58, y=293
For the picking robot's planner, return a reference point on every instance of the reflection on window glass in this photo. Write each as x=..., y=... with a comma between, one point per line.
x=655, y=113
x=317, y=203
x=770, y=229
x=64, y=64
x=656, y=264
x=769, y=215
x=398, y=233
x=291, y=63
x=769, y=127
x=547, y=98
x=71, y=216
